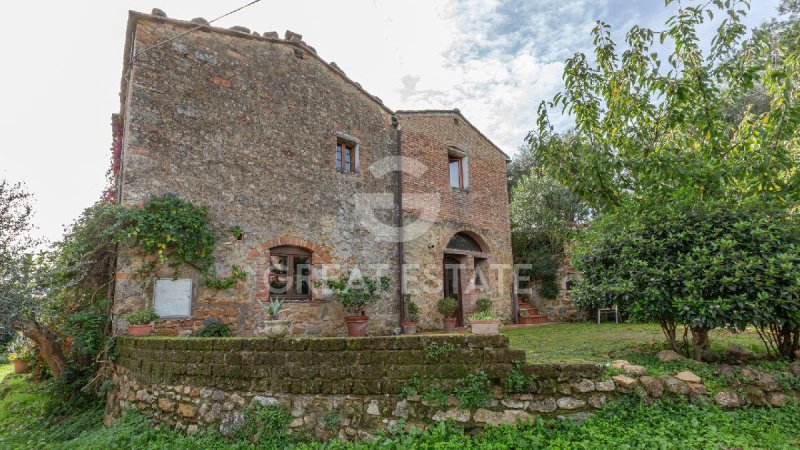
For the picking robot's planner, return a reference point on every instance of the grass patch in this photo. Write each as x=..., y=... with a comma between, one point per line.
x=590, y=342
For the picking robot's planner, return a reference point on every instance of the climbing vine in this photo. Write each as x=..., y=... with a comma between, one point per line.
x=178, y=234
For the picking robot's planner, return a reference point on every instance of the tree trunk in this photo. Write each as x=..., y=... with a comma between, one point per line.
x=668, y=327
x=700, y=343
x=49, y=348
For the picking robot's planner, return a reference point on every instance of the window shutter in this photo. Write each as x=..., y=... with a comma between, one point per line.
x=465, y=169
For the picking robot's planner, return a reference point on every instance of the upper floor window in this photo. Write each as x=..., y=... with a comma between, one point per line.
x=459, y=168
x=290, y=272
x=456, y=172
x=347, y=153
x=345, y=156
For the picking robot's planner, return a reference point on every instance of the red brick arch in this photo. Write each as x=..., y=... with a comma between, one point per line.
x=259, y=258
x=472, y=232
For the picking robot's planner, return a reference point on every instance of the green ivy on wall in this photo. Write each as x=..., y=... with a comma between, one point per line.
x=178, y=233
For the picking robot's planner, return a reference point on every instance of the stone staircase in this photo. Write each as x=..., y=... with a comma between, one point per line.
x=529, y=315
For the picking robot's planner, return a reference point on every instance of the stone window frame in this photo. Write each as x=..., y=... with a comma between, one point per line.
x=290, y=252
x=343, y=139
x=456, y=154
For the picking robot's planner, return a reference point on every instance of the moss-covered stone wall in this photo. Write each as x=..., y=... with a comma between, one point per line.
x=374, y=382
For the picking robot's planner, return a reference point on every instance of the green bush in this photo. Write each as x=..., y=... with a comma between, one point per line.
x=355, y=295
x=700, y=265
x=212, y=327
x=413, y=310
x=548, y=288
x=482, y=315
x=473, y=390
x=447, y=306
x=483, y=305
x=433, y=350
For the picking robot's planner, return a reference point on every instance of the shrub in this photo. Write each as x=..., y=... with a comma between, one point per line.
x=355, y=295
x=142, y=317
x=548, y=288
x=473, y=390
x=212, y=327
x=483, y=305
x=21, y=348
x=515, y=381
x=434, y=350
x=483, y=315
x=447, y=306
x=272, y=426
x=700, y=265
x=413, y=311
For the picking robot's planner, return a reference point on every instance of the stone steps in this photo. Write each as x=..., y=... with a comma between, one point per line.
x=529, y=315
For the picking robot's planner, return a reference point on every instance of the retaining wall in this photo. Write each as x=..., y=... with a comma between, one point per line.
x=366, y=384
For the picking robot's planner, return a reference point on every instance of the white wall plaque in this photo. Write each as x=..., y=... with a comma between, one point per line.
x=173, y=298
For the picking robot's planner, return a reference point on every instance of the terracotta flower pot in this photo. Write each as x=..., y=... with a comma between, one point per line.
x=356, y=325
x=20, y=366
x=409, y=327
x=485, y=326
x=276, y=328
x=449, y=324
x=140, y=330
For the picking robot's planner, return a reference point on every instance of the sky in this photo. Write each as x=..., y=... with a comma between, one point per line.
x=495, y=60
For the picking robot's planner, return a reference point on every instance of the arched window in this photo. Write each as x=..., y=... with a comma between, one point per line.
x=463, y=241
x=290, y=272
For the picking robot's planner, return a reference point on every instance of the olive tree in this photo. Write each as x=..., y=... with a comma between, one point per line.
x=21, y=300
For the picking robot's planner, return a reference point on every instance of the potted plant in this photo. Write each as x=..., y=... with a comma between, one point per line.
x=355, y=295
x=483, y=321
x=410, y=326
x=20, y=365
x=140, y=323
x=447, y=308
x=275, y=327
x=21, y=352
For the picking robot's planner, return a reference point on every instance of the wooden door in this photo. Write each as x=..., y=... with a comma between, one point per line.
x=452, y=285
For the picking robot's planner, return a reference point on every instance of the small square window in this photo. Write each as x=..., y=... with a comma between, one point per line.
x=346, y=156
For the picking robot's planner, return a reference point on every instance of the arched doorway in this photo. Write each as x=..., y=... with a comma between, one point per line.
x=463, y=258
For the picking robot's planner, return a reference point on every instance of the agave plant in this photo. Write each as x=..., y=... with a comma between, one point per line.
x=274, y=308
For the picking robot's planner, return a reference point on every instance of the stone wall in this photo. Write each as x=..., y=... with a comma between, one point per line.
x=190, y=383
x=201, y=382
x=246, y=126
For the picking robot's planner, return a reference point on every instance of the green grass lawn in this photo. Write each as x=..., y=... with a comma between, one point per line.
x=590, y=342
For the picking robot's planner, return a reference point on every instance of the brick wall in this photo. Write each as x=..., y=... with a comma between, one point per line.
x=481, y=210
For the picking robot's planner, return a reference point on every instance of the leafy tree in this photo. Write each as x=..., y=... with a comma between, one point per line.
x=542, y=212
x=665, y=124
x=654, y=126
x=703, y=266
x=21, y=303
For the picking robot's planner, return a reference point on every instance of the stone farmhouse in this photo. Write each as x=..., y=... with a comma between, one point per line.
x=319, y=174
